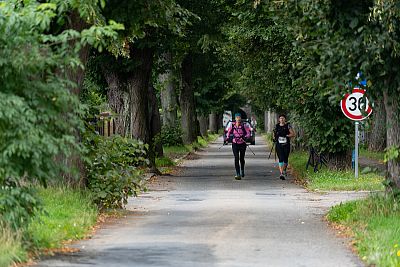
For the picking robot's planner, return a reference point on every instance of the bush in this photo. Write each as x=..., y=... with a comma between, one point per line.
x=112, y=169
x=17, y=205
x=171, y=135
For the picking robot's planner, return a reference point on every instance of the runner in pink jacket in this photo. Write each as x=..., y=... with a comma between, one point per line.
x=240, y=132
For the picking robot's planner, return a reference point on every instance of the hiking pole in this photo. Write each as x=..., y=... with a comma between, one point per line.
x=250, y=149
x=248, y=146
x=272, y=149
x=221, y=146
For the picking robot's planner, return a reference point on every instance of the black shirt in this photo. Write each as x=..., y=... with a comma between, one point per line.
x=282, y=131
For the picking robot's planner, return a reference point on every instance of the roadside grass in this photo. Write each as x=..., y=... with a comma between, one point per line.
x=11, y=246
x=164, y=162
x=375, y=225
x=327, y=180
x=379, y=156
x=268, y=138
x=174, y=152
x=69, y=215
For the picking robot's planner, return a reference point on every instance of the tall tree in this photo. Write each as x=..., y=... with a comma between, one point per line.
x=147, y=25
x=187, y=104
x=167, y=83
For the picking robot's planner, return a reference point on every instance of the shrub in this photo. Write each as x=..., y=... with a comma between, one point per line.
x=171, y=135
x=17, y=205
x=112, y=166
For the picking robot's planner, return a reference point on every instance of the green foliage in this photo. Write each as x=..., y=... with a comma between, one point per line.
x=17, y=205
x=171, y=135
x=147, y=24
x=376, y=227
x=112, y=167
x=164, y=162
x=392, y=153
x=39, y=116
x=342, y=212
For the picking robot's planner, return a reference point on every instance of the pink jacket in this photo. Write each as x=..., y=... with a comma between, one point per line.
x=238, y=133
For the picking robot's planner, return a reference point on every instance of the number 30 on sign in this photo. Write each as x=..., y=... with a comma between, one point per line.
x=355, y=106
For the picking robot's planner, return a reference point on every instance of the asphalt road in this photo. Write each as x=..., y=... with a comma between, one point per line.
x=201, y=216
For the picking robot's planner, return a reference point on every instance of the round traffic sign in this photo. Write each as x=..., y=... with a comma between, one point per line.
x=355, y=106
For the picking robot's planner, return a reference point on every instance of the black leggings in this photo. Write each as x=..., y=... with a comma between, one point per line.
x=283, y=152
x=239, y=150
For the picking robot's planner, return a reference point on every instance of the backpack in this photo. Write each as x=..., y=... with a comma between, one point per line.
x=235, y=128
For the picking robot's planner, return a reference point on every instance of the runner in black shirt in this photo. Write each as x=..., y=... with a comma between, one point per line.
x=282, y=134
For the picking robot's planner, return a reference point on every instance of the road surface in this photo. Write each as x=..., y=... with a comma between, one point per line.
x=201, y=216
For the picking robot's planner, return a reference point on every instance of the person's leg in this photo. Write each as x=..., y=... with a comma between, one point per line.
x=286, y=158
x=242, y=161
x=235, y=150
x=280, y=152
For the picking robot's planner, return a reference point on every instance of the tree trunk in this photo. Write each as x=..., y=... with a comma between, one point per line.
x=339, y=161
x=118, y=100
x=155, y=122
x=187, y=103
x=266, y=122
x=76, y=75
x=138, y=89
x=203, y=120
x=377, y=135
x=168, y=93
x=272, y=121
x=213, y=122
x=220, y=123
x=393, y=136
x=138, y=86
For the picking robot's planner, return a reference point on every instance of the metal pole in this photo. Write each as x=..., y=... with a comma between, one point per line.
x=356, y=152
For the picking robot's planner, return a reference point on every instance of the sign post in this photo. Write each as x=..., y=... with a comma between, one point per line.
x=355, y=106
x=356, y=151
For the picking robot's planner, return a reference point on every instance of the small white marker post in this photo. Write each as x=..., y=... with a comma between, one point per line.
x=356, y=151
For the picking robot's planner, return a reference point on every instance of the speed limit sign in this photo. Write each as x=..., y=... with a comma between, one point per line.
x=355, y=106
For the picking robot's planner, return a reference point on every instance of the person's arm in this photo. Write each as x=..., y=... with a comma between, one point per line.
x=228, y=133
x=248, y=131
x=291, y=132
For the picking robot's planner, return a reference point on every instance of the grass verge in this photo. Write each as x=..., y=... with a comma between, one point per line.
x=69, y=215
x=327, y=180
x=379, y=156
x=11, y=246
x=268, y=138
x=175, y=152
x=375, y=225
